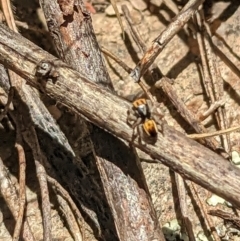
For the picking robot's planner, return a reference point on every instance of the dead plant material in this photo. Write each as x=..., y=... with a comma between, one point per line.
x=161, y=41
x=82, y=98
x=74, y=33
x=225, y=216
x=22, y=185
x=9, y=193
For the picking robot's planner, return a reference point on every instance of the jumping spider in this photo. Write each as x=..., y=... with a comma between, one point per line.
x=141, y=116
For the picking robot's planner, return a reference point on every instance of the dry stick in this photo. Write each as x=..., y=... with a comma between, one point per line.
x=206, y=75
x=113, y=2
x=22, y=185
x=204, y=210
x=141, y=45
x=67, y=212
x=22, y=176
x=161, y=41
x=216, y=80
x=181, y=154
x=213, y=107
x=183, y=206
x=128, y=70
x=9, y=193
x=227, y=61
x=215, y=133
x=18, y=83
x=136, y=37
x=183, y=110
x=202, y=42
x=116, y=59
x=71, y=34
x=193, y=121
x=30, y=137
x=6, y=107
x=226, y=216
x=57, y=186
x=7, y=11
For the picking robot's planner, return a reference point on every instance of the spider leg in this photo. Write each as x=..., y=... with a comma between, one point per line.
x=140, y=135
x=131, y=117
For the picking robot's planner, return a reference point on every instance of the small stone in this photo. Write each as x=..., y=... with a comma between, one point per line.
x=235, y=158
x=139, y=4
x=214, y=200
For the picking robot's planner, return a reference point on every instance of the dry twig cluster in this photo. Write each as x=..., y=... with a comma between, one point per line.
x=103, y=174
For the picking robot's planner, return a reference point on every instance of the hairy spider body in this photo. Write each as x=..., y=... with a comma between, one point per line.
x=140, y=117
x=150, y=128
x=142, y=108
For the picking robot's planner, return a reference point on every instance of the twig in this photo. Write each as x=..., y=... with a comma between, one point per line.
x=10, y=196
x=72, y=224
x=215, y=133
x=136, y=37
x=116, y=59
x=7, y=11
x=113, y=2
x=141, y=45
x=57, y=186
x=31, y=138
x=22, y=185
x=204, y=210
x=198, y=163
x=226, y=216
x=183, y=206
x=214, y=106
x=168, y=89
x=227, y=61
x=217, y=81
x=161, y=41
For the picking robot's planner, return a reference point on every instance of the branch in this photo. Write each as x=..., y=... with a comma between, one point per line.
x=164, y=38
x=109, y=112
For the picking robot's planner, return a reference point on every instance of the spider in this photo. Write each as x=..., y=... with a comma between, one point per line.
x=140, y=117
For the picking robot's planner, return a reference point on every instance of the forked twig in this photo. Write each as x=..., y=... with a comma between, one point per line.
x=225, y=216
x=30, y=137
x=161, y=41
x=168, y=89
x=71, y=221
x=61, y=191
x=212, y=79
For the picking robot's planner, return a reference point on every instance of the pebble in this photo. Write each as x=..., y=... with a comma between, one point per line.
x=139, y=4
